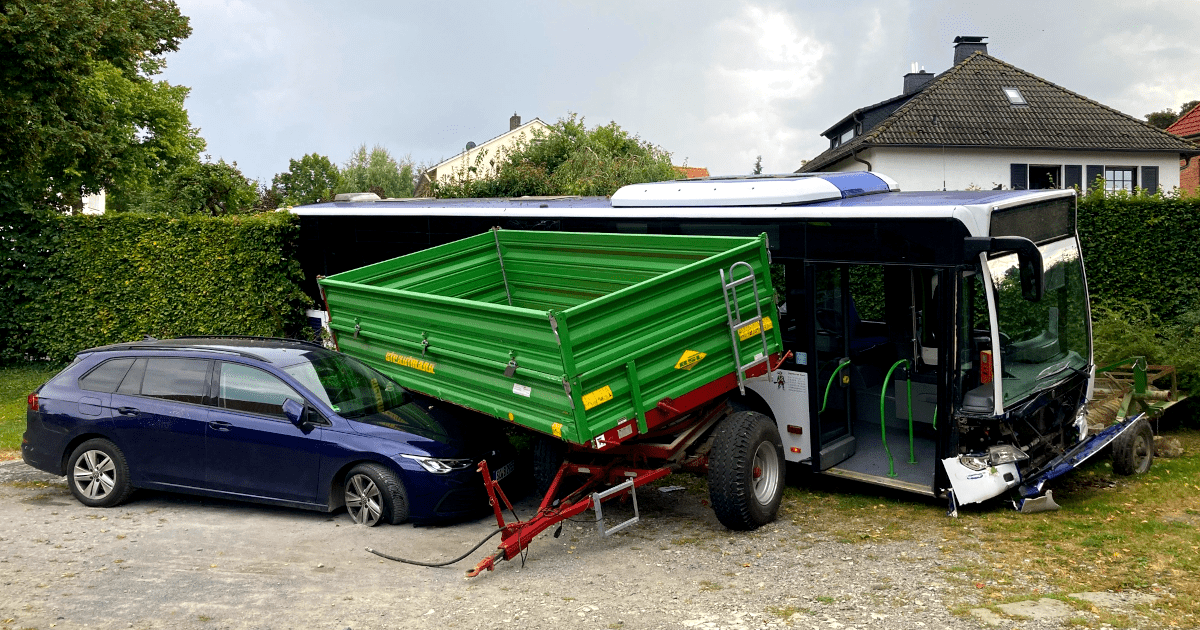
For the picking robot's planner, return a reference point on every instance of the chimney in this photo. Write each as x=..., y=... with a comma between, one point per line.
x=915, y=80
x=514, y=122
x=966, y=45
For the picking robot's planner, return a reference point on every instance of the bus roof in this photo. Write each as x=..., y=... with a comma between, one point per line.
x=818, y=196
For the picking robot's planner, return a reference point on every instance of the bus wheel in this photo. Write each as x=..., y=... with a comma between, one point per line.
x=1133, y=452
x=745, y=471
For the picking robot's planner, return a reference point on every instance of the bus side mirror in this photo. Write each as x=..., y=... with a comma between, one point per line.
x=1033, y=278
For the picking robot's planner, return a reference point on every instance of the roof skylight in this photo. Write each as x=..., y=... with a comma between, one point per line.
x=1015, y=97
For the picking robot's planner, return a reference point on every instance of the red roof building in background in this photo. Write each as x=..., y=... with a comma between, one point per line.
x=1188, y=128
x=692, y=172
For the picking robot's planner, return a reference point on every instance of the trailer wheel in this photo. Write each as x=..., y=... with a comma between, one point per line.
x=745, y=471
x=1133, y=452
x=548, y=455
x=375, y=495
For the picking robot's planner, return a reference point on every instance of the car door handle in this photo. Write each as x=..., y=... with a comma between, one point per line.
x=219, y=425
x=127, y=411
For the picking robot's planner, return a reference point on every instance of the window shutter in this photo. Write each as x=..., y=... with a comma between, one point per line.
x=1073, y=176
x=1093, y=173
x=1019, y=176
x=1150, y=179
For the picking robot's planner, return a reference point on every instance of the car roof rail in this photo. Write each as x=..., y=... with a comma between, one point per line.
x=142, y=346
x=253, y=338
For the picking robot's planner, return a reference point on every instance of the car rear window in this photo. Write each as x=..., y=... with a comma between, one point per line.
x=183, y=380
x=106, y=376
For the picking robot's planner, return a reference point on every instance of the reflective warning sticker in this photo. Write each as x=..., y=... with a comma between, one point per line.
x=410, y=362
x=602, y=395
x=750, y=330
x=689, y=359
x=522, y=390
x=556, y=429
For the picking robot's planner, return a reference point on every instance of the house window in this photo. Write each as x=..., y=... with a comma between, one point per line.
x=847, y=136
x=1015, y=97
x=1042, y=177
x=1119, y=178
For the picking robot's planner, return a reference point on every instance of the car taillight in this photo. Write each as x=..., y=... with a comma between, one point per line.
x=32, y=401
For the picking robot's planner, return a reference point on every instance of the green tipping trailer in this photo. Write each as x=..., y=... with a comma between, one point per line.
x=591, y=338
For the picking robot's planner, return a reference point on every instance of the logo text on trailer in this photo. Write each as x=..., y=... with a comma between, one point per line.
x=689, y=359
x=602, y=395
x=750, y=330
x=410, y=362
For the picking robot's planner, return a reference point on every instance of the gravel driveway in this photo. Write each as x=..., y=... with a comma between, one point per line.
x=175, y=561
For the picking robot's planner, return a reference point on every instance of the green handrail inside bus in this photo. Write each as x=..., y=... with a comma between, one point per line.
x=843, y=363
x=912, y=454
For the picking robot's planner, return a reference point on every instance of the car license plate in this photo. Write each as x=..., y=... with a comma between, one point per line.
x=504, y=471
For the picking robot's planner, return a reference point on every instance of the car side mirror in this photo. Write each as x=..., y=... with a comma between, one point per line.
x=294, y=411
x=1029, y=259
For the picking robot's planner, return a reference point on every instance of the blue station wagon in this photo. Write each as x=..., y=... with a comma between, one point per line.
x=267, y=420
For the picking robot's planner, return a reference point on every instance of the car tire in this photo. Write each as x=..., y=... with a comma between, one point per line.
x=745, y=471
x=98, y=474
x=374, y=495
x=1133, y=451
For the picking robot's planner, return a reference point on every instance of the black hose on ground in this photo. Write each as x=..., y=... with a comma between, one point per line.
x=436, y=564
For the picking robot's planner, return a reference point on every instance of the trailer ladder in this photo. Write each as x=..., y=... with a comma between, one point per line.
x=733, y=312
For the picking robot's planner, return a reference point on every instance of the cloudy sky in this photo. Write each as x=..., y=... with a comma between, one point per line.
x=715, y=82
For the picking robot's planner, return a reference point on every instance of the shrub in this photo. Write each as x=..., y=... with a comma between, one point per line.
x=115, y=278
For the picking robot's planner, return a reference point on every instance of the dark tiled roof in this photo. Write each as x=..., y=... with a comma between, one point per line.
x=966, y=107
x=1188, y=125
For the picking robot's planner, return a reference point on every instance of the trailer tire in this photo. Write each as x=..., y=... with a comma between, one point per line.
x=548, y=455
x=1133, y=451
x=745, y=471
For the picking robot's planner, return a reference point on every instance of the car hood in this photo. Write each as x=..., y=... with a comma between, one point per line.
x=439, y=431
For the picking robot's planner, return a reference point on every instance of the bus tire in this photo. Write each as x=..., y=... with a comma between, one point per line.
x=745, y=471
x=1133, y=451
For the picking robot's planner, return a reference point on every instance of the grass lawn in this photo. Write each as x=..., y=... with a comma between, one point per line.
x=1113, y=533
x=16, y=383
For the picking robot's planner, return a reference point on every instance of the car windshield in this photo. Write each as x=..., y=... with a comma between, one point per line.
x=1041, y=342
x=350, y=388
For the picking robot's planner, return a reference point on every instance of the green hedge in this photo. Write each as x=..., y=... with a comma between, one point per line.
x=1142, y=255
x=1143, y=249
x=121, y=277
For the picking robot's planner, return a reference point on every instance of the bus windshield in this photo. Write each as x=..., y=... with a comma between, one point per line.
x=1041, y=342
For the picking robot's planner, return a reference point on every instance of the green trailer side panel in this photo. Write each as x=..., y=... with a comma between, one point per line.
x=650, y=306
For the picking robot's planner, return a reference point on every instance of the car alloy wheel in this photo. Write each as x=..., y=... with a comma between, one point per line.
x=95, y=475
x=364, y=502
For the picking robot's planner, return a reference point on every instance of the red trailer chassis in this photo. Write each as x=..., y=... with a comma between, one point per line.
x=622, y=468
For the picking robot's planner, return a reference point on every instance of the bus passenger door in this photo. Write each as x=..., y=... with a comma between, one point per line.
x=832, y=405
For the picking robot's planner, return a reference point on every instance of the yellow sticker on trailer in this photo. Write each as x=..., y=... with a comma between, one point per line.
x=602, y=395
x=689, y=359
x=750, y=330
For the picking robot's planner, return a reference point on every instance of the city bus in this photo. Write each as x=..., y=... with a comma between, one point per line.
x=935, y=342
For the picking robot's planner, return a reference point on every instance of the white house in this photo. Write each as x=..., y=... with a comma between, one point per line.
x=987, y=124
x=481, y=157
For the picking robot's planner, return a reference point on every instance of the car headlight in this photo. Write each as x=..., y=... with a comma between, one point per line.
x=440, y=465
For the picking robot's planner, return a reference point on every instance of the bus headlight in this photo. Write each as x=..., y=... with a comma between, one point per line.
x=995, y=456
